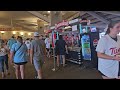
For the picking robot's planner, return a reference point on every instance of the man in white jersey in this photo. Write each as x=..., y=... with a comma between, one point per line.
x=108, y=49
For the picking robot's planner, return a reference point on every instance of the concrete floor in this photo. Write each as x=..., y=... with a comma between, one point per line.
x=71, y=71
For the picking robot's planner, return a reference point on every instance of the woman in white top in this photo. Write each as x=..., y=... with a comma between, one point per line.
x=108, y=49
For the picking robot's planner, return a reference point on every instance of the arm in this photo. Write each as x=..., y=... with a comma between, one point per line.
x=11, y=56
x=31, y=56
x=107, y=57
x=8, y=44
x=12, y=53
x=66, y=49
x=31, y=53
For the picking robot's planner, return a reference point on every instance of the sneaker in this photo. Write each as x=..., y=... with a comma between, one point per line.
x=13, y=66
x=36, y=77
x=7, y=73
x=65, y=65
x=3, y=76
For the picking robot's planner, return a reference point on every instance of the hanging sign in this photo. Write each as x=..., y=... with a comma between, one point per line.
x=61, y=24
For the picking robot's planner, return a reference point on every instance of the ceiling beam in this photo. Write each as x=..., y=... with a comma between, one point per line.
x=97, y=16
x=76, y=14
x=37, y=14
x=99, y=26
x=110, y=12
x=26, y=27
x=82, y=13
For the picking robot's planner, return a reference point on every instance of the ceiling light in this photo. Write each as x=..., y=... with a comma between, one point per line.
x=21, y=33
x=2, y=32
x=44, y=15
x=14, y=32
x=48, y=11
x=29, y=34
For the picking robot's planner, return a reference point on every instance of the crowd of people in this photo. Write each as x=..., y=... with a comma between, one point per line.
x=37, y=49
x=19, y=52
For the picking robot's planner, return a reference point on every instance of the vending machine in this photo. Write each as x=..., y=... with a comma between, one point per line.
x=89, y=41
x=86, y=51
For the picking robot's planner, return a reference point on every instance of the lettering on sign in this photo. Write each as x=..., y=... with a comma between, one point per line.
x=73, y=21
x=88, y=21
x=64, y=23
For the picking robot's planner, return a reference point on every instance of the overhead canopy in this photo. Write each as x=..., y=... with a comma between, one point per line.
x=27, y=20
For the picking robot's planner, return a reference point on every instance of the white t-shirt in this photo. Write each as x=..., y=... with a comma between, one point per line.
x=47, y=42
x=110, y=47
x=3, y=52
x=27, y=42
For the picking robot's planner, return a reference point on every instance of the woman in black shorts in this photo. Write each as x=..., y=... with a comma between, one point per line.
x=19, y=52
x=61, y=49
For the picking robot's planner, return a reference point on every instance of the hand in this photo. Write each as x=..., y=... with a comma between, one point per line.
x=45, y=58
x=11, y=62
x=116, y=58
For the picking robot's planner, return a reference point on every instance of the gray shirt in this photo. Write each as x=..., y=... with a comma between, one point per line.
x=36, y=45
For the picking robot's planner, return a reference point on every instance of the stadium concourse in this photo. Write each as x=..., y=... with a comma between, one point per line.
x=71, y=71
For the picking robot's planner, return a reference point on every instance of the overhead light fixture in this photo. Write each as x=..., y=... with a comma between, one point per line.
x=29, y=34
x=21, y=33
x=48, y=11
x=14, y=32
x=2, y=32
x=44, y=15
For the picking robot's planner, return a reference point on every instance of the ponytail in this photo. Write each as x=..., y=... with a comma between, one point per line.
x=111, y=25
x=108, y=31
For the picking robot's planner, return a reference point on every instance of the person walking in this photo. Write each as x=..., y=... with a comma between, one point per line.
x=44, y=51
x=61, y=50
x=18, y=55
x=47, y=42
x=37, y=54
x=108, y=49
x=11, y=42
x=3, y=58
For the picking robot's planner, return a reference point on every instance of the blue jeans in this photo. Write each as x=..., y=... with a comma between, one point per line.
x=2, y=60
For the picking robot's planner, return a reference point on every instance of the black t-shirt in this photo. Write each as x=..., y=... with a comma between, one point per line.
x=60, y=45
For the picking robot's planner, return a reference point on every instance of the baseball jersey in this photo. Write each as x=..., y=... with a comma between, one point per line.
x=109, y=47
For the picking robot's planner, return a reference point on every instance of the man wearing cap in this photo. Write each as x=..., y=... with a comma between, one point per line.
x=37, y=54
x=11, y=42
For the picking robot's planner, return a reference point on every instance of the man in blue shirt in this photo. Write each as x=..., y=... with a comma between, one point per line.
x=11, y=42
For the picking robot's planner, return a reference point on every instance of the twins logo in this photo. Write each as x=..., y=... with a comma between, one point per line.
x=114, y=50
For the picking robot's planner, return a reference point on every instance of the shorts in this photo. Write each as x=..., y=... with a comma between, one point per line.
x=20, y=63
x=48, y=49
x=61, y=52
x=37, y=64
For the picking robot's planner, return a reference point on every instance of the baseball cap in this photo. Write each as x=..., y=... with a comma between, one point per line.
x=36, y=34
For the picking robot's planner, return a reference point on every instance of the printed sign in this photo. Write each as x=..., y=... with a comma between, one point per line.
x=95, y=42
x=61, y=24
